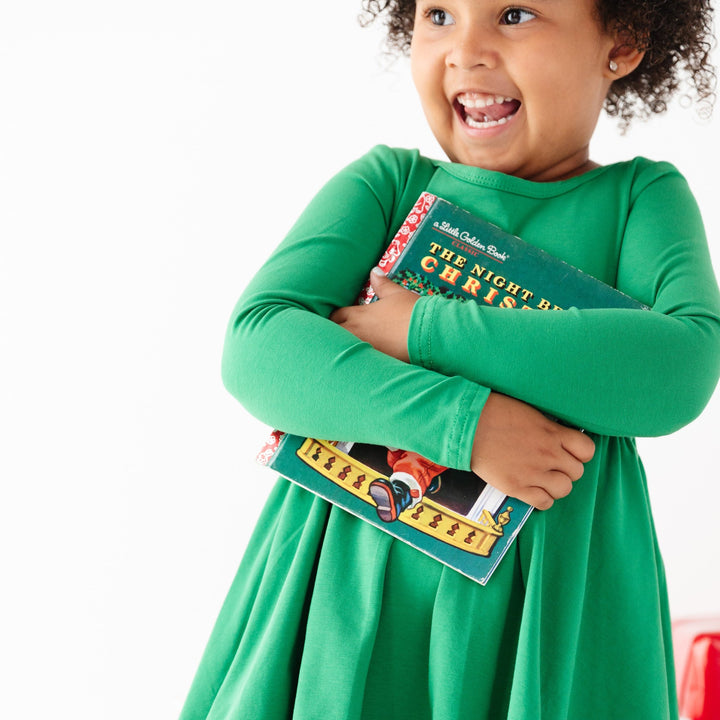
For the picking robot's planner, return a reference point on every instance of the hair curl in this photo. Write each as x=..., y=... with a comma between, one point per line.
x=676, y=35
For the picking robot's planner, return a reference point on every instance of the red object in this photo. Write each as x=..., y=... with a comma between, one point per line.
x=697, y=666
x=422, y=469
x=401, y=239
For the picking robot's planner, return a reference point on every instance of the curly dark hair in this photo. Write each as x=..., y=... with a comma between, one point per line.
x=677, y=36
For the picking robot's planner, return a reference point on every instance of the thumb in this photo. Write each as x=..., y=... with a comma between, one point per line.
x=381, y=283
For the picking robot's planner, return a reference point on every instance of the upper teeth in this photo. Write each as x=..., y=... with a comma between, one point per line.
x=477, y=101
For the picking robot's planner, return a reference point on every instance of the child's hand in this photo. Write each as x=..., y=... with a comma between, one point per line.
x=521, y=452
x=384, y=323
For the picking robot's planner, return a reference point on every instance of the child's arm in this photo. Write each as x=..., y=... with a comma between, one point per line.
x=516, y=448
x=616, y=372
x=521, y=452
x=296, y=370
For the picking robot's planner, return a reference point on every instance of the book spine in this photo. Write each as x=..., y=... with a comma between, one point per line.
x=270, y=448
x=398, y=243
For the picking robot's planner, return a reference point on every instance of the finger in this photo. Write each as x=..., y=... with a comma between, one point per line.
x=381, y=283
x=339, y=316
x=579, y=445
x=539, y=498
x=570, y=466
x=557, y=484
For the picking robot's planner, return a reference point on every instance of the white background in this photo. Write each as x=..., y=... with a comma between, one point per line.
x=140, y=143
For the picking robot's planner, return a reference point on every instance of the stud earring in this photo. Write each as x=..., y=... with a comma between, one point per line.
x=613, y=66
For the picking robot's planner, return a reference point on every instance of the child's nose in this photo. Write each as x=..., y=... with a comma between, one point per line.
x=473, y=47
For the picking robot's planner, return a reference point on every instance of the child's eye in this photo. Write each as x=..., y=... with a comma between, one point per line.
x=516, y=16
x=440, y=17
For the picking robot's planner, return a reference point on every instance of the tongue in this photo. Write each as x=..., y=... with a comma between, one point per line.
x=493, y=112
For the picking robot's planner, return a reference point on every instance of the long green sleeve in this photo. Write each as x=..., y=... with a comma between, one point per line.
x=615, y=372
x=296, y=370
x=634, y=225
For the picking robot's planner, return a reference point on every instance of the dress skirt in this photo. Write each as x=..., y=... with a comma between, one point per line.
x=331, y=618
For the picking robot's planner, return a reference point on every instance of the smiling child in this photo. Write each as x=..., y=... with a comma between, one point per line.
x=330, y=617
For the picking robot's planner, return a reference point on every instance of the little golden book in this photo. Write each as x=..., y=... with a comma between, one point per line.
x=452, y=515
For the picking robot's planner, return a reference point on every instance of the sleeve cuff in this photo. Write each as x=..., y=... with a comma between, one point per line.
x=460, y=436
x=420, y=333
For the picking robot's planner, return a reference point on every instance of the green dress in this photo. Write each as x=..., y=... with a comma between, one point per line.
x=331, y=618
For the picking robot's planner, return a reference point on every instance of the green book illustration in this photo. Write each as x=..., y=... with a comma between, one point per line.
x=452, y=515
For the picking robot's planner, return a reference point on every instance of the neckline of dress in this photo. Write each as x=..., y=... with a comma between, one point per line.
x=521, y=186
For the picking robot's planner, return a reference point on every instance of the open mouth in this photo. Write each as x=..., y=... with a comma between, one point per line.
x=481, y=111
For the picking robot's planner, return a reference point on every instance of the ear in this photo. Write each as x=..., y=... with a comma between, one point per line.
x=623, y=58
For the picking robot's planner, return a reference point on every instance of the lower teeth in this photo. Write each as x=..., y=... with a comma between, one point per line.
x=480, y=124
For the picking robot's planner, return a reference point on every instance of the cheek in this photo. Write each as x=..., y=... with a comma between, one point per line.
x=429, y=89
x=419, y=70
x=416, y=65
x=426, y=65
x=559, y=96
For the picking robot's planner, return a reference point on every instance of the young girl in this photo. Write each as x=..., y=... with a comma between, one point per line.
x=330, y=617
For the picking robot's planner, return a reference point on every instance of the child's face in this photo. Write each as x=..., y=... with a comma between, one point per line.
x=517, y=90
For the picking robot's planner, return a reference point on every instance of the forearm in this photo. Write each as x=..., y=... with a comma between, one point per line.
x=615, y=372
x=303, y=374
x=296, y=370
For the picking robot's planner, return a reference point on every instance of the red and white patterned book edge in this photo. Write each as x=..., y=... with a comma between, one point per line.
x=401, y=239
x=270, y=447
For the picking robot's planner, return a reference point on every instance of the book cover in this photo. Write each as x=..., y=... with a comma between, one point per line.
x=451, y=515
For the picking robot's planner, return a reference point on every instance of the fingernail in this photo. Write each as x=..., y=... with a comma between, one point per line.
x=377, y=271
